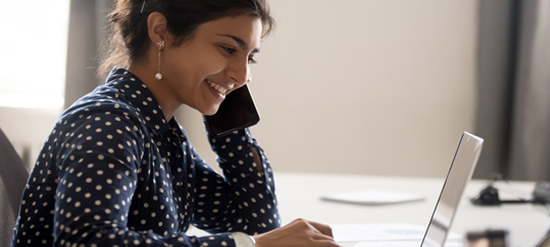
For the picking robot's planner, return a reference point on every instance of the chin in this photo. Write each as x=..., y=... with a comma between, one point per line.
x=210, y=111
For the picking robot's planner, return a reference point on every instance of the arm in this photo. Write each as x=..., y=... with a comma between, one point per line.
x=244, y=198
x=242, y=185
x=97, y=182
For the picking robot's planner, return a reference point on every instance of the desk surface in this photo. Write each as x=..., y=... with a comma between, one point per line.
x=299, y=197
x=299, y=194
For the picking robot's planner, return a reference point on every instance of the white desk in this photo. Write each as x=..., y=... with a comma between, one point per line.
x=299, y=194
x=299, y=197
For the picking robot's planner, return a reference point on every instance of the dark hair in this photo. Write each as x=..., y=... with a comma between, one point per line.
x=129, y=37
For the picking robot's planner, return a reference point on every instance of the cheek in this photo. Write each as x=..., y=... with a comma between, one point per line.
x=210, y=62
x=197, y=63
x=176, y=64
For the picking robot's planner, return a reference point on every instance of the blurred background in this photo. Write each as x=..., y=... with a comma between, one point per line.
x=354, y=86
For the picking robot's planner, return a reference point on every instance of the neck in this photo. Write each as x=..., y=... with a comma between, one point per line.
x=162, y=94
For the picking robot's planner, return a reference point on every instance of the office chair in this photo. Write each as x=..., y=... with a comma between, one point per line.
x=13, y=178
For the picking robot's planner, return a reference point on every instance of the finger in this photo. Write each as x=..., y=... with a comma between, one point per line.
x=318, y=237
x=324, y=229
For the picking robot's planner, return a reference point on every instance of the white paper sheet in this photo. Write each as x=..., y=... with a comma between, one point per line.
x=400, y=244
x=380, y=232
x=373, y=197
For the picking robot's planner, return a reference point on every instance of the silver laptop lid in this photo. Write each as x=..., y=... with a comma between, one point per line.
x=461, y=170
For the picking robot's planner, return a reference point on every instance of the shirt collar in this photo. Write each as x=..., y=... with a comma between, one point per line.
x=139, y=96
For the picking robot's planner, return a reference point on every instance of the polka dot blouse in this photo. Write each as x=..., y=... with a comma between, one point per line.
x=113, y=172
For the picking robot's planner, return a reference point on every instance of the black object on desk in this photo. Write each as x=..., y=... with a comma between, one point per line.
x=488, y=238
x=489, y=196
x=541, y=193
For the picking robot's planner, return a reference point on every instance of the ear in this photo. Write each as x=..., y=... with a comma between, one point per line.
x=156, y=28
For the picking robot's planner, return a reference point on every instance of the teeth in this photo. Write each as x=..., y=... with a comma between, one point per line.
x=217, y=87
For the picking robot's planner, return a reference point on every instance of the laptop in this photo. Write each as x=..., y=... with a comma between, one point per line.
x=462, y=167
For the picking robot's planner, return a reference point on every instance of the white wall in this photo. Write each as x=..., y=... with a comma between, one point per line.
x=363, y=86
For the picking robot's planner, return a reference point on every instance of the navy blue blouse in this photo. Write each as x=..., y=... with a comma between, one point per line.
x=114, y=172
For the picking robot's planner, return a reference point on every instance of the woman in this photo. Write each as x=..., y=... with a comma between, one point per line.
x=117, y=170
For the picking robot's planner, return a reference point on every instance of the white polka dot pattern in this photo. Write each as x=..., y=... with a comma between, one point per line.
x=114, y=172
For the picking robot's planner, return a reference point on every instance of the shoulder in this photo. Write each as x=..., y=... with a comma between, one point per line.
x=103, y=111
x=103, y=101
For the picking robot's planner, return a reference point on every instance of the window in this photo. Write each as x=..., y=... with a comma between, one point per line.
x=34, y=53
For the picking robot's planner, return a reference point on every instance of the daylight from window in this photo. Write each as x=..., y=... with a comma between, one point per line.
x=34, y=53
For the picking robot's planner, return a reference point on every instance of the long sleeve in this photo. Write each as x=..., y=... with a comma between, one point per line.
x=96, y=182
x=244, y=199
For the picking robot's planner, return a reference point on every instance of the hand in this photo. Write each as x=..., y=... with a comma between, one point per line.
x=298, y=233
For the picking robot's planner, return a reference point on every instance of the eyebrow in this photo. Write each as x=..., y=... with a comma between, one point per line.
x=241, y=42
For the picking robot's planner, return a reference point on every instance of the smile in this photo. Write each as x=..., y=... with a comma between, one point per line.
x=218, y=88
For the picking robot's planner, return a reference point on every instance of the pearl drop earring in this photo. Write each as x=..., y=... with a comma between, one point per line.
x=158, y=75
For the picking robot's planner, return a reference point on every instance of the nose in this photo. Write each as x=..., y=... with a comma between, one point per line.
x=239, y=72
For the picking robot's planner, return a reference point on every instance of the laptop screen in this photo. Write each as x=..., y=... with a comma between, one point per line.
x=461, y=170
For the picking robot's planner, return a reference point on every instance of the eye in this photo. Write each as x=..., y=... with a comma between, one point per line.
x=228, y=50
x=251, y=60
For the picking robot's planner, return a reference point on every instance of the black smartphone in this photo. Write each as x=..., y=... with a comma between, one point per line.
x=237, y=111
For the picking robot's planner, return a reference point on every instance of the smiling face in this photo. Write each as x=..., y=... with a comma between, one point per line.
x=212, y=63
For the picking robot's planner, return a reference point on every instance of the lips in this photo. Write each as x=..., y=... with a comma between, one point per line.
x=217, y=87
